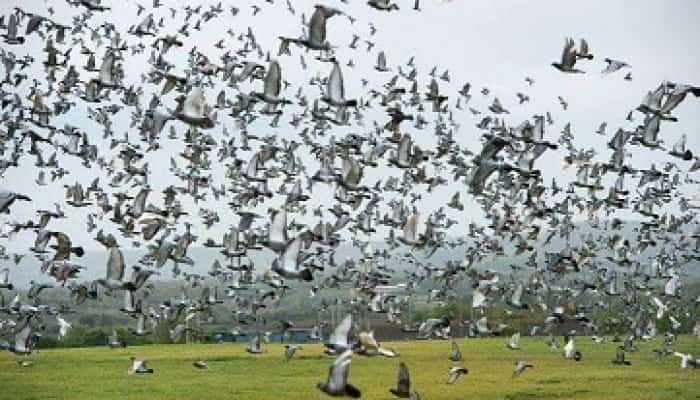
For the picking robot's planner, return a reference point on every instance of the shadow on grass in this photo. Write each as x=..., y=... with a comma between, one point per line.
x=557, y=395
x=550, y=381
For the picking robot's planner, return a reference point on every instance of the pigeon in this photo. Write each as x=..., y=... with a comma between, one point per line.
x=687, y=361
x=139, y=367
x=289, y=351
x=255, y=344
x=25, y=337
x=287, y=265
x=5, y=280
x=141, y=161
x=115, y=271
x=7, y=198
x=403, y=384
x=200, y=364
x=338, y=341
x=520, y=367
x=614, y=65
x=369, y=346
x=570, y=351
x=113, y=341
x=455, y=355
x=454, y=373
x=568, y=58
x=514, y=343
x=64, y=327
x=337, y=382
x=620, y=357
x=383, y=5
x=335, y=91
x=316, y=39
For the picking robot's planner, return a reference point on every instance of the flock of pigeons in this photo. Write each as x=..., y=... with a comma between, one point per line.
x=328, y=143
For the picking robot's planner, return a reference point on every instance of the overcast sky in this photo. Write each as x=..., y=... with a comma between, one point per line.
x=493, y=44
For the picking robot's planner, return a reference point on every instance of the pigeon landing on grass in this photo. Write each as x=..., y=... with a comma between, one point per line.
x=139, y=367
x=289, y=351
x=455, y=354
x=403, y=385
x=200, y=364
x=454, y=373
x=520, y=367
x=620, y=357
x=337, y=384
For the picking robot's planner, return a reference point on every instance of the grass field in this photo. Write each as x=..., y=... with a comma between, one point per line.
x=100, y=373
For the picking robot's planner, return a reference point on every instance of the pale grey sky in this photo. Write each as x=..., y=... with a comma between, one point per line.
x=492, y=44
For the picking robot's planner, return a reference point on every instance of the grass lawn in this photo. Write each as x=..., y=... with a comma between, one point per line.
x=100, y=373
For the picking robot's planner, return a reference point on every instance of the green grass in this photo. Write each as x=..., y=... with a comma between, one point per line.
x=100, y=373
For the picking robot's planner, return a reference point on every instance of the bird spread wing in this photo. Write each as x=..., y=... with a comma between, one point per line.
x=273, y=80
x=340, y=334
x=115, y=264
x=335, y=88
x=278, y=227
x=317, y=27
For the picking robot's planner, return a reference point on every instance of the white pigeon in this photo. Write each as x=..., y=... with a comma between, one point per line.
x=478, y=299
x=370, y=347
x=672, y=286
x=63, y=327
x=687, y=361
x=614, y=65
x=570, y=349
x=660, y=307
x=338, y=341
x=139, y=367
x=514, y=343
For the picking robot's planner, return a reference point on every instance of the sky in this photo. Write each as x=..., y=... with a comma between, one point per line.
x=493, y=44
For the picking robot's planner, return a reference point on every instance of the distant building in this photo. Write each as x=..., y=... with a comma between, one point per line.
x=298, y=335
x=293, y=335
